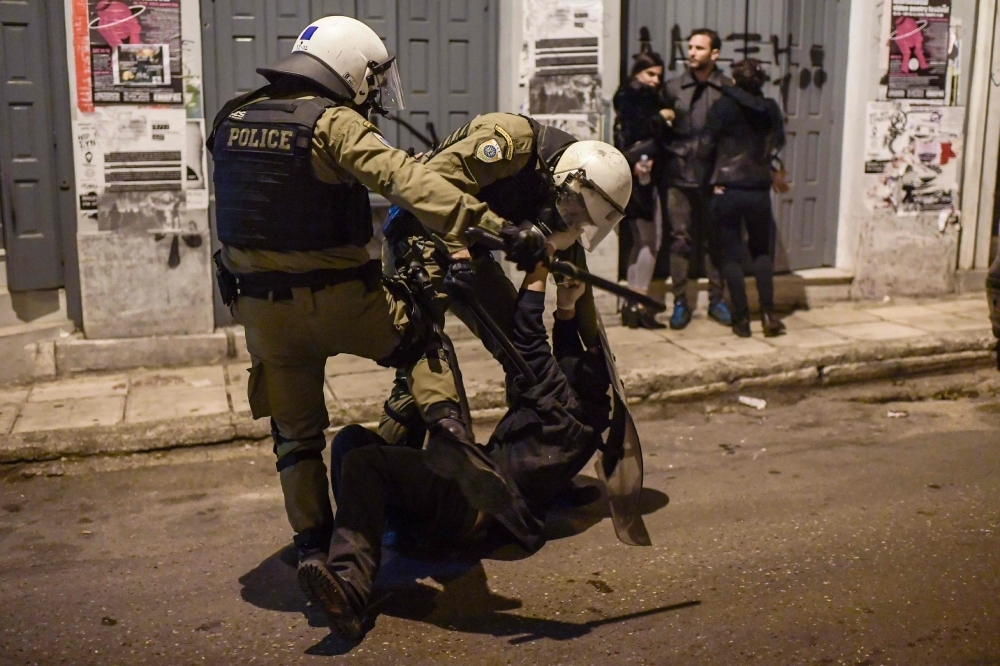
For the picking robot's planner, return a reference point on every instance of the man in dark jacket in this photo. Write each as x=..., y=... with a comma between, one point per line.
x=550, y=432
x=691, y=95
x=993, y=294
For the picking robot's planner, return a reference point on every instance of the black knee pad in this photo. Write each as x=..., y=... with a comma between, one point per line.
x=445, y=419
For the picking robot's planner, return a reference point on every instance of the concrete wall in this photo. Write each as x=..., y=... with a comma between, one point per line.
x=889, y=254
x=144, y=257
x=512, y=96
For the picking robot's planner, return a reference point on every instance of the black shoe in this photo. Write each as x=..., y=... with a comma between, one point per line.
x=451, y=453
x=630, y=316
x=741, y=325
x=647, y=319
x=773, y=327
x=328, y=592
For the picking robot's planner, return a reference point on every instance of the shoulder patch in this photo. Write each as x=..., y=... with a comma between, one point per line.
x=239, y=114
x=509, y=153
x=489, y=151
x=377, y=133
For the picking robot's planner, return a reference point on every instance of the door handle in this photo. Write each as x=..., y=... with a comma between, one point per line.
x=64, y=185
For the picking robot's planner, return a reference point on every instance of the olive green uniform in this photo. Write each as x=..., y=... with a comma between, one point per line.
x=290, y=340
x=492, y=147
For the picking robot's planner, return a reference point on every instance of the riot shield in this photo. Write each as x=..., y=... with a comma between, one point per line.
x=620, y=465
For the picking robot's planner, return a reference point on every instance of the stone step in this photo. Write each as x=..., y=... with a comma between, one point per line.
x=24, y=352
x=32, y=306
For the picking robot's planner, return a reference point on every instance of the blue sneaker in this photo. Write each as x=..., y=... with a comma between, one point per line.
x=719, y=311
x=681, y=316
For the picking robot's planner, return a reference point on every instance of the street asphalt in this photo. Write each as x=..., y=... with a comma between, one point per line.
x=858, y=525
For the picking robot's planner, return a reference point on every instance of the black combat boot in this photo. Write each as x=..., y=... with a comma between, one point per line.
x=332, y=595
x=452, y=453
x=773, y=327
x=741, y=324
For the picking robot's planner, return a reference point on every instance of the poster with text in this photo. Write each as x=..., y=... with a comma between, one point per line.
x=913, y=157
x=135, y=51
x=918, y=49
x=561, y=63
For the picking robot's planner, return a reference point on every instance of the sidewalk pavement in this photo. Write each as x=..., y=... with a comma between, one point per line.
x=155, y=409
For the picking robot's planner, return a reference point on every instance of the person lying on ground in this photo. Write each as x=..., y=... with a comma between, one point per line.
x=548, y=434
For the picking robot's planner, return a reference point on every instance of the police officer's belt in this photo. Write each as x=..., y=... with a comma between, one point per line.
x=275, y=285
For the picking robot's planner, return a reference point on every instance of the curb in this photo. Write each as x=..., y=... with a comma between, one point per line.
x=862, y=362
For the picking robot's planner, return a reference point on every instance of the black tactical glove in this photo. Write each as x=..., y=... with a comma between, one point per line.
x=460, y=277
x=525, y=245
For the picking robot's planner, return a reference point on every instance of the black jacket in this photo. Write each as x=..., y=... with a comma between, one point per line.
x=553, y=428
x=691, y=100
x=640, y=130
x=742, y=135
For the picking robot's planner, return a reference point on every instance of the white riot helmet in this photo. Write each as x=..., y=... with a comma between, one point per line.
x=594, y=184
x=347, y=58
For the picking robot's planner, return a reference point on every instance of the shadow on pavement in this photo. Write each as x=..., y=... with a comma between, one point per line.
x=446, y=588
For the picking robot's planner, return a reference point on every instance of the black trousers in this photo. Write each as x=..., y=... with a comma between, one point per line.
x=733, y=210
x=372, y=480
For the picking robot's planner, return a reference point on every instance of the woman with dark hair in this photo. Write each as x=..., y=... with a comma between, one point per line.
x=743, y=135
x=642, y=119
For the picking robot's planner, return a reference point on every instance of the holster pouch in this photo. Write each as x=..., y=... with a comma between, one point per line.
x=226, y=280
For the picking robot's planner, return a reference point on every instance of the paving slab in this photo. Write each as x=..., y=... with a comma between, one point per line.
x=900, y=312
x=8, y=414
x=176, y=393
x=367, y=387
x=969, y=307
x=725, y=347
x=345, y=364
x=175, y=402
x=13, y=396
x=700, y=327
x=76, y=388
x=196, y=377
x=943, y=322
x=809, y=338
x=64, y=414
x=653, y=356
x=237, y=379
x=835, y=316
x=877, y=331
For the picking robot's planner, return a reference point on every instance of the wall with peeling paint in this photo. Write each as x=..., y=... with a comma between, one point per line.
x=890, y=254
x=144, y=256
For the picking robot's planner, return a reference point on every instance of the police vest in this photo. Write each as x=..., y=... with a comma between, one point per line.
x=266, y=194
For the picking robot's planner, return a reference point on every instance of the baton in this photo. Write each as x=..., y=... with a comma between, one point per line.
x=572, y=271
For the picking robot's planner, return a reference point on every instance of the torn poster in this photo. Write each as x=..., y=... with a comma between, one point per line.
x=561, y=63
x=135, y=51
x=913, y=157
x=918, y=49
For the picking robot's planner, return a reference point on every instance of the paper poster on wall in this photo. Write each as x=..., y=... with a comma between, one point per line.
x=918, y=49
x=135, y=51
x=561, y=62
x=913, y=157
x=89, y=171
x=196, y=166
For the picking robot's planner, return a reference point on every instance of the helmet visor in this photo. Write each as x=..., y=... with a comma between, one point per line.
x=579, y=201
x=390, y=86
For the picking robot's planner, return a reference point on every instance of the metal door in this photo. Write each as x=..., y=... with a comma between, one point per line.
x=28, y=171
x=807, y=215
x=797, y=41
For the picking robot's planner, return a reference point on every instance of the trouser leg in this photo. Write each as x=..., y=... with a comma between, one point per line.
x=375, y=479
x=702, y=233
x=761, y=231
x=304, y=485
x=679, y=211
x=729, y=249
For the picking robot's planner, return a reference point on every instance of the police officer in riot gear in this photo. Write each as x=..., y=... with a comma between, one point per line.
x=567, y=193
x=293, y=163
x=993, y=294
